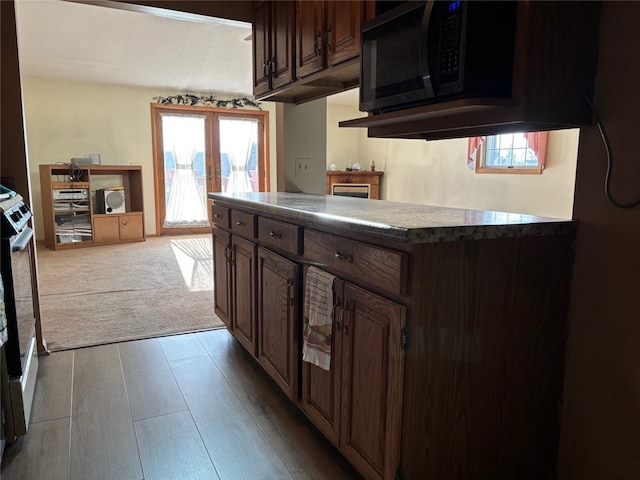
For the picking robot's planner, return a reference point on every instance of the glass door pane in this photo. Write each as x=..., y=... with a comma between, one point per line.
x=183, y=143
x=238, y=154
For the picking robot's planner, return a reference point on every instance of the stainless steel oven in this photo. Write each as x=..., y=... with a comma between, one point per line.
x=19, y=353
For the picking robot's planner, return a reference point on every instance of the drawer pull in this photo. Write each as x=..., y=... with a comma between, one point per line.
x=274, y=234
x=240, y=223
x=343, y=256
x=217, y=215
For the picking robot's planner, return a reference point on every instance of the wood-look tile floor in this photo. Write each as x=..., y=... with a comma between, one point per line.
x=192, y=406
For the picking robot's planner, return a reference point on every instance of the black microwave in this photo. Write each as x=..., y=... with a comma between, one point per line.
x=422, y=52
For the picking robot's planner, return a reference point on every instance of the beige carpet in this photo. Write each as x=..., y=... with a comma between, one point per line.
x=97, y=295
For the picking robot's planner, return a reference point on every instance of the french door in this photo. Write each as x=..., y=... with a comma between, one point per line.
x=197, y=150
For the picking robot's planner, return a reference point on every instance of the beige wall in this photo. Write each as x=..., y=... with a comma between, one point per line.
x=435, y=172
x=305, y=137
x=69, y=119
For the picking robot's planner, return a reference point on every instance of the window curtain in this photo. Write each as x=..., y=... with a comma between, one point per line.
x=474, y=146
x=237, y=137
x=537, y=142
x=186, y=206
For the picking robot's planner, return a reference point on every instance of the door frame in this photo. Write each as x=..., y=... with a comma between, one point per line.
x=212, y=154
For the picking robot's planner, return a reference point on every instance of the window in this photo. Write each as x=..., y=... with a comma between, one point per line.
x=520, y=152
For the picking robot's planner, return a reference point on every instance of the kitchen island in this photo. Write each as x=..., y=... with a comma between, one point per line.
x=449, y=327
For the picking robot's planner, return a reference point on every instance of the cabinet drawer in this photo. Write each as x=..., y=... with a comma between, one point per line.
x=220, y=216
x=365, y=264
x=280, y=235
x=243, y=223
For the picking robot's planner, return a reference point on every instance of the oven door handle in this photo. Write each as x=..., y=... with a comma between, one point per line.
x=22, y=240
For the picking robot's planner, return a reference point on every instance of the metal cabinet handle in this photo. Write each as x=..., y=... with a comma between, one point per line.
x=217, y=215
x=343, y=256
x=345, y=327
x=340, y=321
x=327, y=42
x=317, y=49
x=274, y=234
x=240, y=223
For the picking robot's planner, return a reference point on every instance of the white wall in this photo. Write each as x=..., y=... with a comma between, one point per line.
x=67, y=119
x=305, y=136
x=435, y=172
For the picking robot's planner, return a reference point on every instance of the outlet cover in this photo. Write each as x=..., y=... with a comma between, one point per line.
x=303, y=166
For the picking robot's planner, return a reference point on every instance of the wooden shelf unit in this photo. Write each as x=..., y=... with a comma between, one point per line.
x=99, y=228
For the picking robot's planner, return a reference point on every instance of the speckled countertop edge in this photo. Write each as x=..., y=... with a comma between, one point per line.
x=404, y=222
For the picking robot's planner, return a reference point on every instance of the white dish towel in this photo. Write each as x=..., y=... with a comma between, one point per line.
x=318, y=307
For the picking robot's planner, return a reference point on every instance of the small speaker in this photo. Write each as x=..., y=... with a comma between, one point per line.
x=110, y=201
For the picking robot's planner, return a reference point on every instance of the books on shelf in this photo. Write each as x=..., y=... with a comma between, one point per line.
x=73, y=227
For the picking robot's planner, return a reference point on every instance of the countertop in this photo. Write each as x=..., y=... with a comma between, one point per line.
x=403, y=222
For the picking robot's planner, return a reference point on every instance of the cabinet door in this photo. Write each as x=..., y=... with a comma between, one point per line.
x=344, y=20
x=222, y=276
x=278, y=319
x=282, y=42
x=372, y=379
x=310, y=46
x=106, y=229
x=243, y=268
x=261, y=46
x=131, y=227
x=320, y=398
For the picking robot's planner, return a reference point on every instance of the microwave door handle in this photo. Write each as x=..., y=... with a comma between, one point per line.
x=429, y=22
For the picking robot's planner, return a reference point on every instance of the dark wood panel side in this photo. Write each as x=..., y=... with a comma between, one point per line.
x=484, y=364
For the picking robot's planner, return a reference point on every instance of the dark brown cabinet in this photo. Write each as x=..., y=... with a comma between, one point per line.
x=222, y=275
x=278, y=319
x=273, y=45
x=321, y=43
x=235, y=290
x=327, y=33
x=343, y=23
x=243, y=293
x=358, y=403
x=446, y=360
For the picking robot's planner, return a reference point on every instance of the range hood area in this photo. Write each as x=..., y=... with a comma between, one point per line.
x=554, y=67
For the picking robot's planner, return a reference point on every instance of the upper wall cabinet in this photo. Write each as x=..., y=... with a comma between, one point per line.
x=321, y=43
x=327, y=33
x=554, y=67
x=273, y=45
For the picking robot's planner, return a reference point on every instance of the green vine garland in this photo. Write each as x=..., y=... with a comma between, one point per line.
x=210, y=101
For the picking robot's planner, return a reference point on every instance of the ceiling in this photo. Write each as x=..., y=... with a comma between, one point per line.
x=68, y=40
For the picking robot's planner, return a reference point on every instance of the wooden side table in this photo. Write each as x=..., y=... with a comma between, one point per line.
x=361, y=177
